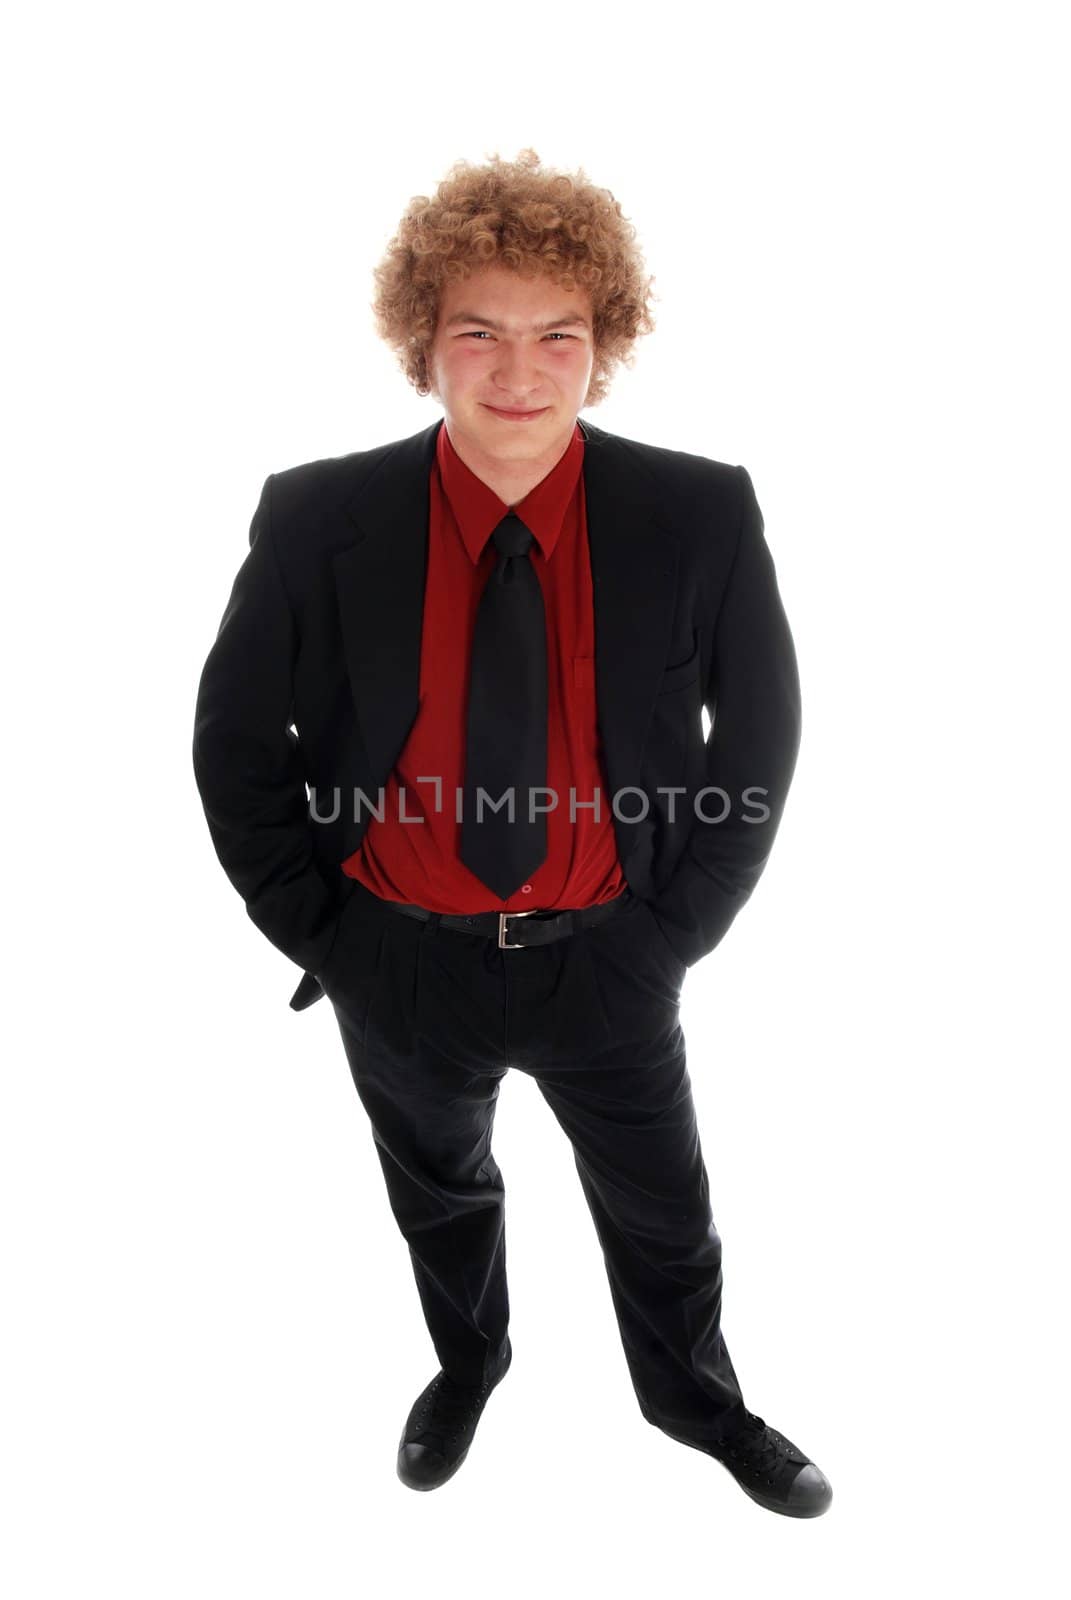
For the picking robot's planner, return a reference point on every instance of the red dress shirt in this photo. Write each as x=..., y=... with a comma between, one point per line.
x=417, y=861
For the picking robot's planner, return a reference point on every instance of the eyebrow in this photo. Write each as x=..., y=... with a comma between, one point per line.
x=571, y=318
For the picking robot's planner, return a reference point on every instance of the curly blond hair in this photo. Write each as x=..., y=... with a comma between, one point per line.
x=532, y=220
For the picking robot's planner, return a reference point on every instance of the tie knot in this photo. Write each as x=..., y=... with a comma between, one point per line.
x=511, y=536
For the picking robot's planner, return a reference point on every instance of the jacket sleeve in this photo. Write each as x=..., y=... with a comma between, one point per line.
x=753, y=697
x=247, y=764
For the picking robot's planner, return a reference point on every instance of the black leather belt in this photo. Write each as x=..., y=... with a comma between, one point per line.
x=516, y=930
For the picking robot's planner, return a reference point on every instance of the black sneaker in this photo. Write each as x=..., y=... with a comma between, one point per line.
x=441, y=1425
x=772, y=1470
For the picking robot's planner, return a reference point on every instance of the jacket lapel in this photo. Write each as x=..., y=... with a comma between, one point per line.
x=380, y=580
x=634, y=585
x=380, y=585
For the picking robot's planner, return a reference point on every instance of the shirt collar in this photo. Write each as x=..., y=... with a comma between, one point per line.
x=478, y=510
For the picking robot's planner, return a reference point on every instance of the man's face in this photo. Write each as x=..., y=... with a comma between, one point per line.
x=510, y=343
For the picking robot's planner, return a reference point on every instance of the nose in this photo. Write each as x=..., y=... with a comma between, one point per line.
x=515, y=373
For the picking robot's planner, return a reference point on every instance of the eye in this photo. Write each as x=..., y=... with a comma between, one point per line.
x=483, y=333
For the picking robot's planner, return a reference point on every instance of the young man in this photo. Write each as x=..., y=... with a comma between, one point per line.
x=486, y=649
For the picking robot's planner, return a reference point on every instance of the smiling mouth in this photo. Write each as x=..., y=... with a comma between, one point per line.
x=511, y=411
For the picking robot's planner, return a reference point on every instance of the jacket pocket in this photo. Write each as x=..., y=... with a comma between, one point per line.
x=681, y=674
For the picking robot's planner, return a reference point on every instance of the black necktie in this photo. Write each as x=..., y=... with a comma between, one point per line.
x=506, y=745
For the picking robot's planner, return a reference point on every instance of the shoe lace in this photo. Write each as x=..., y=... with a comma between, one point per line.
x=760, y=1446
x=447, y=1407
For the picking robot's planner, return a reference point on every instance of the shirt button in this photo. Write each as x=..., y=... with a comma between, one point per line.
x=526, y=888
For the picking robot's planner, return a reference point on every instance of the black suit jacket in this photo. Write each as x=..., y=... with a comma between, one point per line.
x=313, y=681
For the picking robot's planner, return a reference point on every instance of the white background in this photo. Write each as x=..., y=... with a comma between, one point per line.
x=854, y=217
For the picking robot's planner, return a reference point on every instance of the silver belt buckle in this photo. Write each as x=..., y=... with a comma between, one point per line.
x=503, y=918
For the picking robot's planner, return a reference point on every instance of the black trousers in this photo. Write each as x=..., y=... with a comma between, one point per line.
x=432, y=1020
